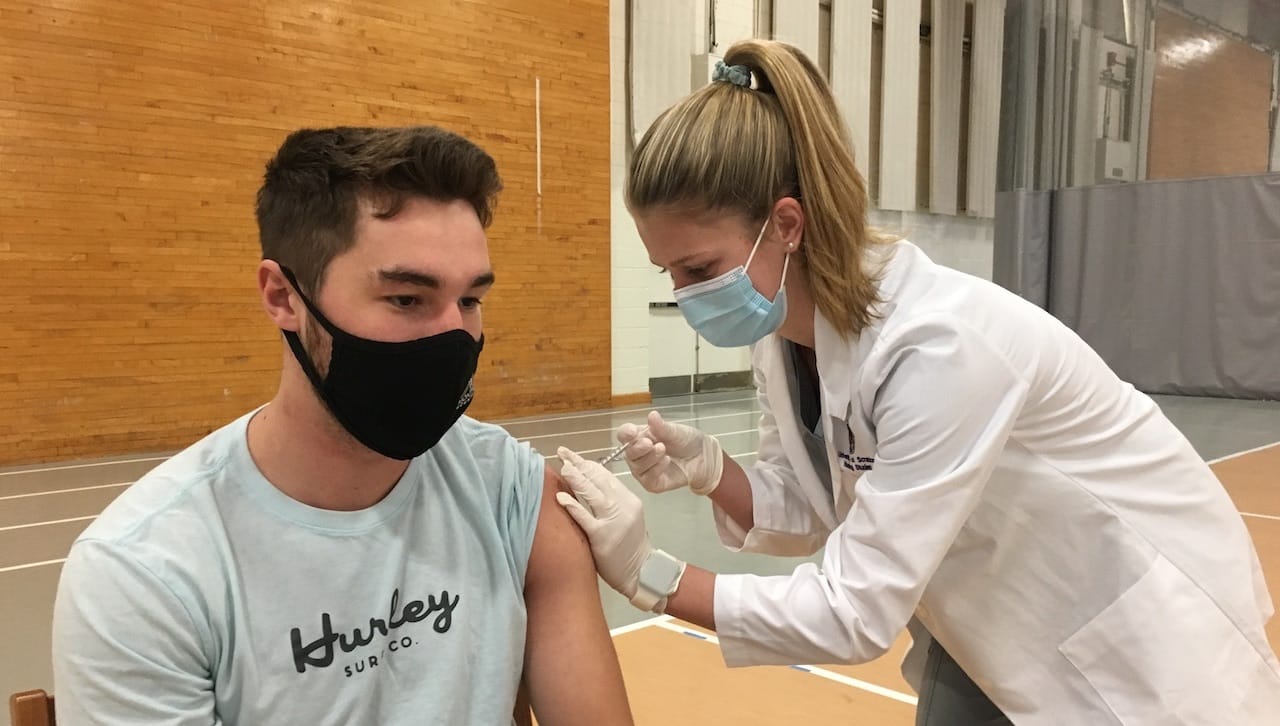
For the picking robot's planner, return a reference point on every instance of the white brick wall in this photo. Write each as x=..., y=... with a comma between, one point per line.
x=630, y=284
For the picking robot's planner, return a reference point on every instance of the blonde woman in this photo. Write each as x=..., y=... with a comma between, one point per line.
x=973, y=469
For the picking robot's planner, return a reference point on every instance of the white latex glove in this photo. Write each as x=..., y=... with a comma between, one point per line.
x=611, y=516
x=668, y=456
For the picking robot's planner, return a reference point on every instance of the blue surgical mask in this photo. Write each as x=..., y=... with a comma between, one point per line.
x=728, y=311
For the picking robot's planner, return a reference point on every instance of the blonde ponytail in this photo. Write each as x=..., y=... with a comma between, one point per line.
x=732, y=148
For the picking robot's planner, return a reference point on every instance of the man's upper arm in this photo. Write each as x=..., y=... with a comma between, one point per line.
x=125, y=650
x=571, y=667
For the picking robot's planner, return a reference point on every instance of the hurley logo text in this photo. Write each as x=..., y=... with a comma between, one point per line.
x=319, y=653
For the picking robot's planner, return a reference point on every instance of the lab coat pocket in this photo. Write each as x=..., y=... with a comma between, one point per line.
x=1164, y=653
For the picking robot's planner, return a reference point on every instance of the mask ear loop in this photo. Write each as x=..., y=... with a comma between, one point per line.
x=756, y=246
x=332, y=329
x=782, y=284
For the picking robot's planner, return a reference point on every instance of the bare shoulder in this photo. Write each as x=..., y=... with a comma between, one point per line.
x=570, y=664
x=560, y=550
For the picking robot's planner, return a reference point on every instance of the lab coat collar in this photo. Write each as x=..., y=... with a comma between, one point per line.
x=835, y=366
x=839, y=357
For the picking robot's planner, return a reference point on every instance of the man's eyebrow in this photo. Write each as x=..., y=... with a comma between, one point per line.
x=411, y=277
x=422, y=279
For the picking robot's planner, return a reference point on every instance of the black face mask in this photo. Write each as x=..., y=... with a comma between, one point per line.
x=398, y=399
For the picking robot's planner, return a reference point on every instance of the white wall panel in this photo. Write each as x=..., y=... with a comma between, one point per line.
x=672, y=344
x=722, y=360
x=900, y=107
x=947, y=60
x=962, y=243
x=984, y=105
x=662, y=46
x=796, y=22
x=1086, y=128
x=735, y=20
x=629, y=262
x=851, y=71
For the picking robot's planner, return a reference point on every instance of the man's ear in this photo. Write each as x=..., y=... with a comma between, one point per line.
x=278, y=298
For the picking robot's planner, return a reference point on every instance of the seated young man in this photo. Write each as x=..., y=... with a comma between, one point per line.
x=355, y=551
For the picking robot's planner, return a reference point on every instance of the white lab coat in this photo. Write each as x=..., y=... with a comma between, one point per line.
x=994, y=479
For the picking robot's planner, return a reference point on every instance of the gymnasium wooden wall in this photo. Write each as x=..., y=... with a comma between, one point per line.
x=132, y=142
x=1210, y=103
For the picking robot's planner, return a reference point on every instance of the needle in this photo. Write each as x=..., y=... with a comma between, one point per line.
x=617, y=452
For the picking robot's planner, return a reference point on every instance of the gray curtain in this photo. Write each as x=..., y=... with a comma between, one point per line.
x=1175, y=283
x=1022, y=237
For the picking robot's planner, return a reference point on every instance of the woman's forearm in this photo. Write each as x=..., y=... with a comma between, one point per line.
x=733, y=495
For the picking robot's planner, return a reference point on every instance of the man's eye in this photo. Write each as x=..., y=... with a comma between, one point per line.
x=403, y=301
x=471, y=303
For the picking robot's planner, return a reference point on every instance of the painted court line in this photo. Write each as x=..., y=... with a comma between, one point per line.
x=1246, y=452
x=87, y=465
x=622, y=475
x=611, y=429
x=127, y=483
x=629, y=409
x=42, y=524
x=814, y=670
x=625, y=474
x=633, y=627
x=584, y=452
x=601, y=412
x=29, y=565
x=863, y=685
x=64, y=491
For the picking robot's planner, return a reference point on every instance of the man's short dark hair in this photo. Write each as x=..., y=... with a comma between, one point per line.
x=311, y=193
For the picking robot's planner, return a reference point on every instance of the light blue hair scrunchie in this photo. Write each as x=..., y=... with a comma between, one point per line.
x=737, y=75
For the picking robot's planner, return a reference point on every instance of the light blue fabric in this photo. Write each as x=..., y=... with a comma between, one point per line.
x=204, y=595
x=737, y=75
x=731, y=313
x=728, y=311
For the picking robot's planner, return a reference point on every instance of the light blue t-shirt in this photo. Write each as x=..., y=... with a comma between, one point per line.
x=204, y=595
